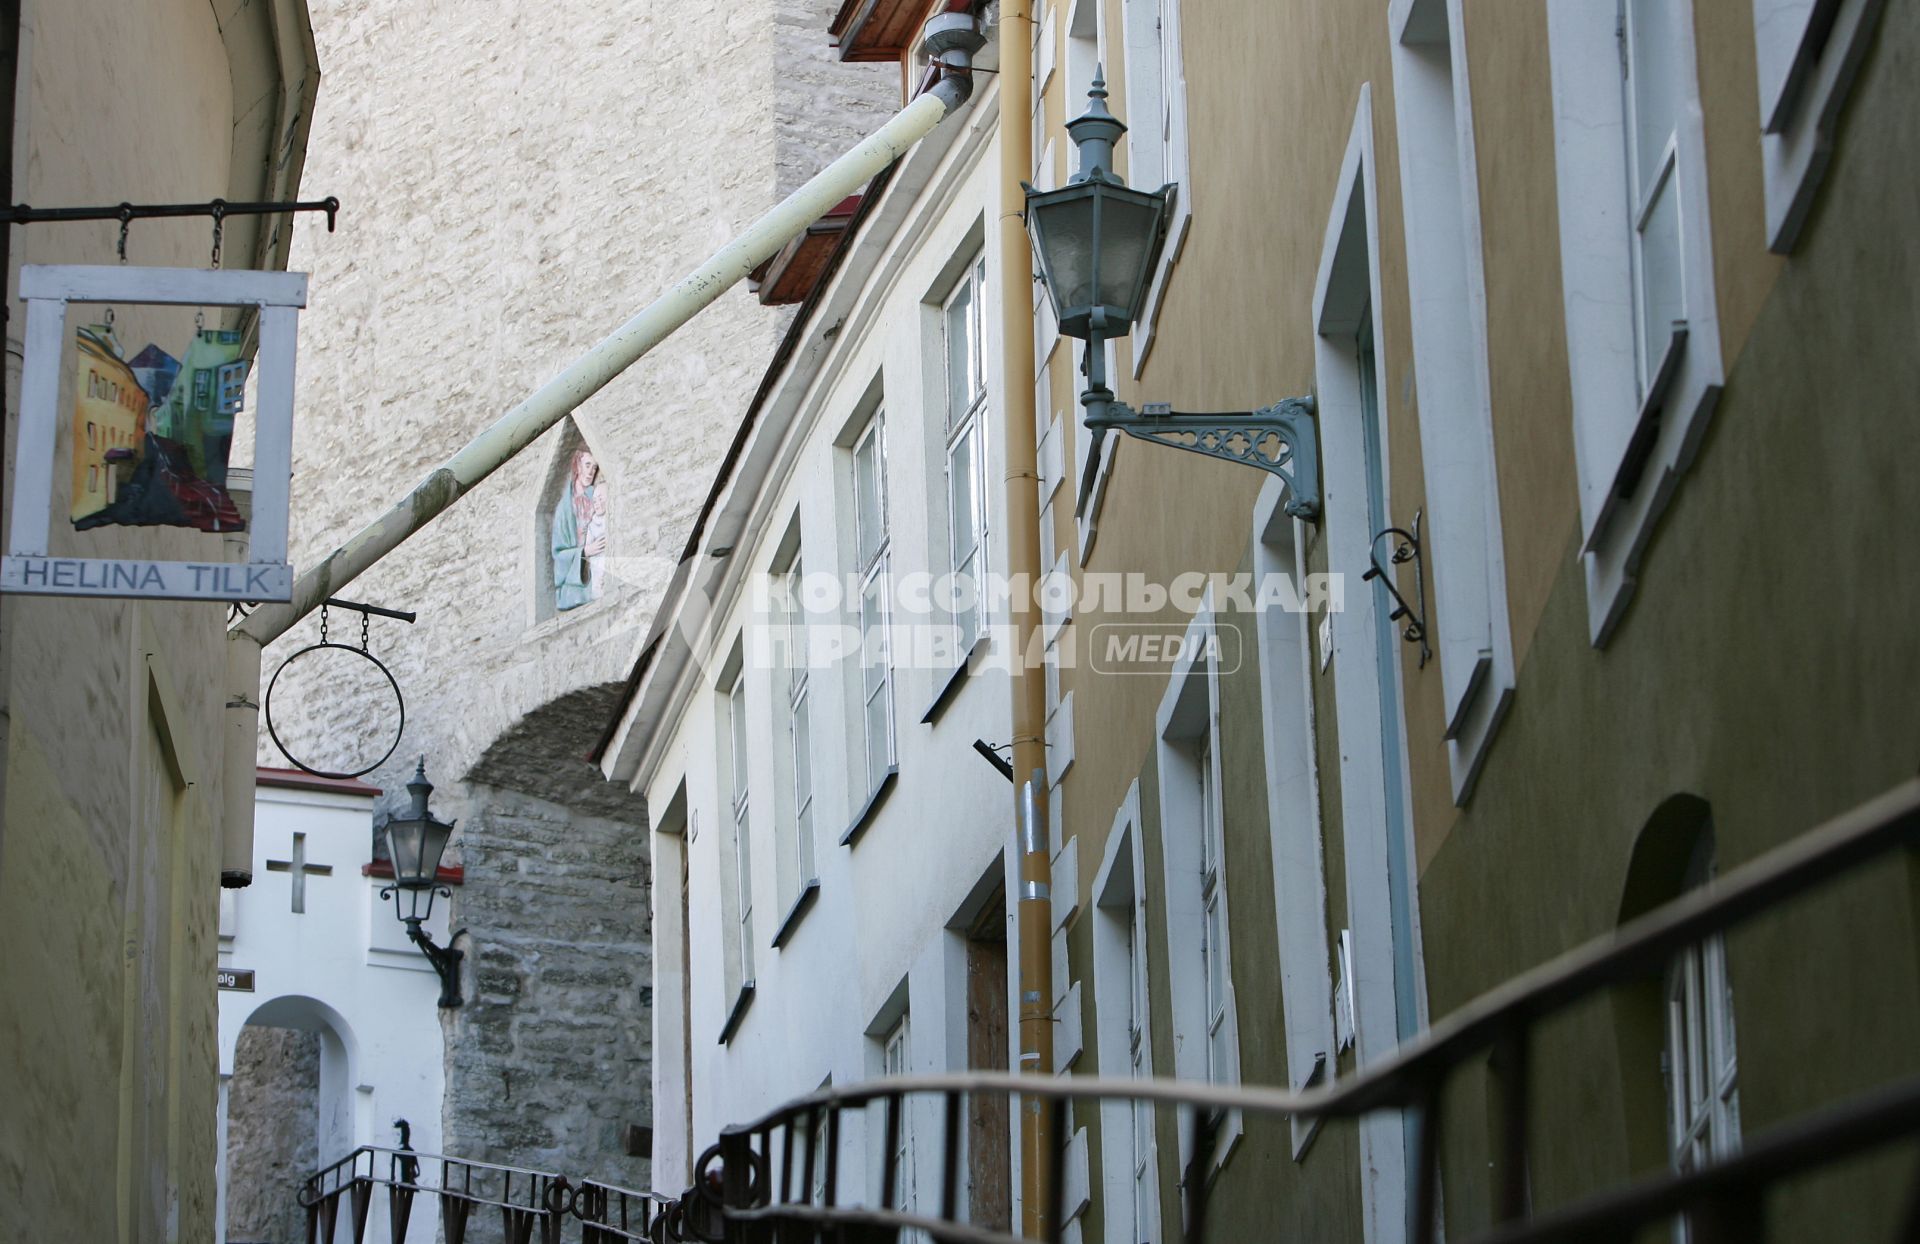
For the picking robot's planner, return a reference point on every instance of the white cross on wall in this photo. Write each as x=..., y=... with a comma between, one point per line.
x=299, y=867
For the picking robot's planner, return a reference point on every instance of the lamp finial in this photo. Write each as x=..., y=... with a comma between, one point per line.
x=1094, y=132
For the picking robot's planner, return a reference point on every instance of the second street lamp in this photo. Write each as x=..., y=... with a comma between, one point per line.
x=1096, y=241
x=416, y=842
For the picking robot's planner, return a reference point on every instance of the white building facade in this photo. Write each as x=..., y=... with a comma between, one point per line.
x=830, y=881
x=311, y=945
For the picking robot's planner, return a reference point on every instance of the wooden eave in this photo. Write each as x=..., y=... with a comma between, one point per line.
x=877, y=30
x=792, y=273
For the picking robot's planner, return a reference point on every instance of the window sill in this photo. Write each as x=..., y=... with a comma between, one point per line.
x=801, y=906
x=951, y=686
x=1798, y=143
x=738, y=1013
x=1147, y=327
x=871, y=807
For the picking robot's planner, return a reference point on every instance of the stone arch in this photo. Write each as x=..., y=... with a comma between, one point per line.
x=568, y=439
x=556, y=896
x=338, y=1125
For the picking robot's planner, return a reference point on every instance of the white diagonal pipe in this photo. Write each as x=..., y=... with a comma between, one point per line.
x=592, y=371
x=546, y=406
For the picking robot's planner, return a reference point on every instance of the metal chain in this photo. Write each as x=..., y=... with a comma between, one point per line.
x=126, y=222
x=219, y=218
x=365, y=619
x=323, y=624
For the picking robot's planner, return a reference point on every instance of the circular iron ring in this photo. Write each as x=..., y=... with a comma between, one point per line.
x=398, y=698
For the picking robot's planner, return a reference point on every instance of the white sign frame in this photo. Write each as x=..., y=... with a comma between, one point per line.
x=28, y=568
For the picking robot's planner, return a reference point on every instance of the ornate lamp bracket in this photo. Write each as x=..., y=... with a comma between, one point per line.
x=1279, y=439
x=445, y=959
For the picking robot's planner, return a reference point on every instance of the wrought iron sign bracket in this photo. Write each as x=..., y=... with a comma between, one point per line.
x=1406, y=550
x=1279, y=439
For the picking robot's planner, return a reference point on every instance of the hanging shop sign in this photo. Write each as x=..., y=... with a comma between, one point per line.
x=148, y=431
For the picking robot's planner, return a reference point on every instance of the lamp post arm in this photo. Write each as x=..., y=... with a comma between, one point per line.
x=1280, y=439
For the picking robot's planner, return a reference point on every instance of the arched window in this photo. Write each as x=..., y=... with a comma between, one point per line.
x=1680, y=1025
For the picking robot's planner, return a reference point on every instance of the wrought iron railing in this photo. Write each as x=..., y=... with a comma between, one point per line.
x=532, y=1204
x=757, y=1184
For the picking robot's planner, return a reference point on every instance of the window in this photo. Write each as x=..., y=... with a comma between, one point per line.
x=871, y=548
x=799, y=724
x=737, y=847
x=1213, y=946
x=1293, y=805
x=1447, y=298
x=966, y=457
x=1156, y=117
x=1702, y=1070
x=819, y=1139
x=1698, y=1060
x=1123, y=1014
x=1809, y=51
x=795, y=865
x=1637, y=271
x=895, y=1061
x=1192, y=833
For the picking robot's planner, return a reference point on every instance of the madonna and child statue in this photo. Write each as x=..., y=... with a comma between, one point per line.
x=580, y=534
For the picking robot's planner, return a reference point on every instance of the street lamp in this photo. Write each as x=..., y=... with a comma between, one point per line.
x=415, y=843
x=1097, y=240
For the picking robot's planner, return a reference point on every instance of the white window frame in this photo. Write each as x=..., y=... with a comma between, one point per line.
x=1699, y=1062
x=1808, y=53
x=1347, y=289
x=1188, y=732
x=1157, y=153
x=741, y=818
x=800, y=725
x=874, y=675
x=896, y=1059
x=1293, y=808
x=1637, y=424
x=1123, y=1017
x=965, y=431
x=796, y=859
x=737, y=849
x=1447, y=298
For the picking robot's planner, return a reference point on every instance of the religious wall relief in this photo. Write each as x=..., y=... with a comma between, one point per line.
x=572, y=537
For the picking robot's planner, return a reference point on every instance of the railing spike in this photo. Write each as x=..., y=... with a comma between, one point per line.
x=361, y=1194
x=399, y=1210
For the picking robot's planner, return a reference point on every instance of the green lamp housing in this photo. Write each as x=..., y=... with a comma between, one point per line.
x=1096, y=238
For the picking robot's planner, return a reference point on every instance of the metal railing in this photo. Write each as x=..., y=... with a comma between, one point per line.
x=745, y=1189
x=532, y=1204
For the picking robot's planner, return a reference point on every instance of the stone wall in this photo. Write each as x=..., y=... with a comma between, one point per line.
x=550, y=1056
x=272, y=1125
x=518, y=179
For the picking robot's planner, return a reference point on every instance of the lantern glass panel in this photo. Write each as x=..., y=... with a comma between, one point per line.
x=406, y=842
x=1127, y=233
x=1064, y=237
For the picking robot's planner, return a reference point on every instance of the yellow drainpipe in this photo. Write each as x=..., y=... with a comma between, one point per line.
x=1033, y=905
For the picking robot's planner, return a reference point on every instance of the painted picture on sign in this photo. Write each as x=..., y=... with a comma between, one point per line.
x=580, y=534
x=151, y=435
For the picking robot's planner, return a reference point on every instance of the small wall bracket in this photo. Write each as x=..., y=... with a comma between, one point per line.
x=1279, y=439
x=1407, y=549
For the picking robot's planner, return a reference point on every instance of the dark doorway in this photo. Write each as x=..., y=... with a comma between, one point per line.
x=989, y=1123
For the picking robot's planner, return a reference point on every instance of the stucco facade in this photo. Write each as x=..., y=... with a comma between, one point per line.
x=1718, y=669
x=867, y=949
x=109, y=846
